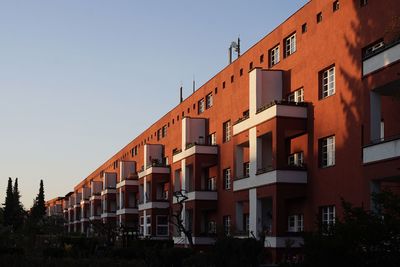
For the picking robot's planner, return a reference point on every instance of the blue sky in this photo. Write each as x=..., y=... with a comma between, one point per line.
x=78, y=79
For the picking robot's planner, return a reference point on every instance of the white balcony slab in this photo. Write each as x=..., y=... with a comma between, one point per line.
x=200, y=195
x=196, y=240
x=280, y=241
x=108, y=191
x=94, y=197
x=269, y=113
x=196, y=149
x=127, y=182
x=84, y=220
x=154, y=205
x=108, y=215
x=77, y=206
x=151, y=170
x=271, y=177
x=381, y=59
x=127, y=211
x=382, y=151
x=93, y=218
x=84, y=202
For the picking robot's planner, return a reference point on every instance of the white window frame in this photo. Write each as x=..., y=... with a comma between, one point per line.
x=227, y=224
x=296, y=159
x=290, y=45
x=162, y=226
x=148, y=224
x=201, y=106
x=328, y=151
x=212, y=227
x=328, y=215
x=296, y=223
x=274, y=56
x=212, y=139
x=211, y=184
x=141, y=225
x=209, y=100
x=296, y=96
x=227, y=178
x=328, y=83
x=227, y=131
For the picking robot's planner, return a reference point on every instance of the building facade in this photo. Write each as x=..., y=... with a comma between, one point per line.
x=305, y=117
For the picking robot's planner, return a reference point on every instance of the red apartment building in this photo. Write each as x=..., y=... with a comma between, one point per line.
x=305, y=117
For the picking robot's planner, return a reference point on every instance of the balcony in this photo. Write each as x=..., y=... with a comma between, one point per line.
x=382, y=150
x=269, y=111
x=267, y=176
x=127, y=211
x=128, y=182
x=381, y=58
x=194, y=148
x=200, y=195
x=154, y=167
x=154, y=205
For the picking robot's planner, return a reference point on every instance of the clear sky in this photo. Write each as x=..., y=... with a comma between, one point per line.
x=80, y=79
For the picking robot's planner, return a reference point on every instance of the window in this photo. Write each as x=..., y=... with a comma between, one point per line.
x=327, y=148
x=162, y=225
x=212, y=227
x=336, y=6
x=296, y=159
x=296, y=223
x=232, y=79
x=241, y=72
x=250, y=65
x=363, y=3
x=141, y=225
x=296, y=96
x=209, y=100
x=290, y=45
x=227, y=225
x=212, y=139
x=328, y=216
x=327, y=78
x=223, y=85
x=148, y=224
x=216, y=90
x=274, y=56
x=164, y=131
x=211, y=184
x=373, y=48
x=319, y=17
x=159, y=134
x=304, y=28
x=227, y=131
x=246, y=169
x=262, y=58
x=227, y=179
x=201, y=106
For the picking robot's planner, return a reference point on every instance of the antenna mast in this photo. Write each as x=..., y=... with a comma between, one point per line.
x=234, y=47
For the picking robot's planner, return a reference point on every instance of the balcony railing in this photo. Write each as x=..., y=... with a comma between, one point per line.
x=281, y=102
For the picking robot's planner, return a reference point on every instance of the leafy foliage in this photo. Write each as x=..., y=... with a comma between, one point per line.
x=361, y=238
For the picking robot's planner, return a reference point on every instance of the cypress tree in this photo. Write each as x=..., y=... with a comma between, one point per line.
x=18, y=209
x=39, y=207
x=9, y=204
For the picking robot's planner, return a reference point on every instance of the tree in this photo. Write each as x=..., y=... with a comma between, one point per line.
x=177, y=217
x=9, y=204
x=18, y=209
x=360, y=238
x=39, y=208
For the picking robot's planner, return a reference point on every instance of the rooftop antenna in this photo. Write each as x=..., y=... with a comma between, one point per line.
x=194, y=84
x=181, y=89
x=235, y=47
